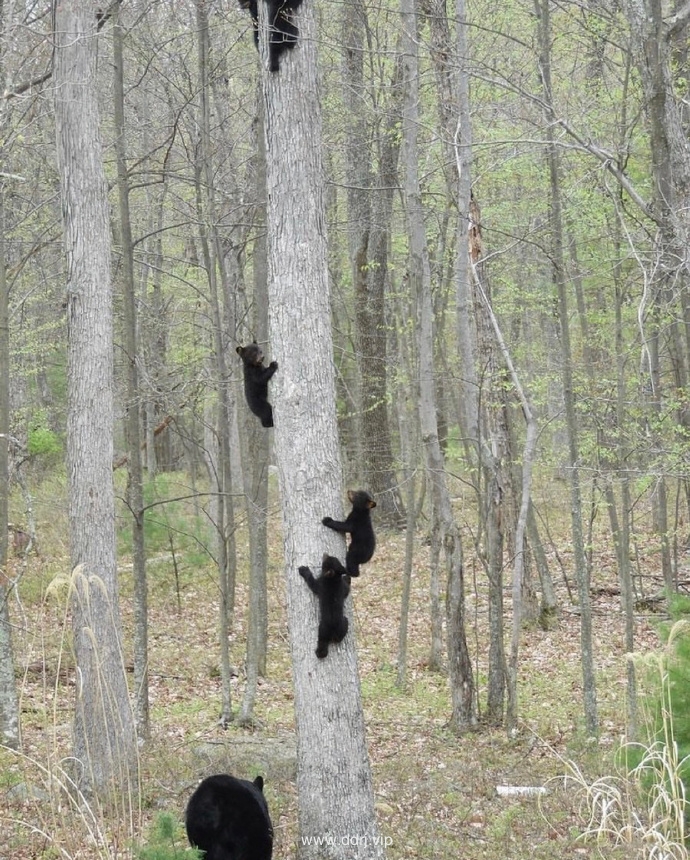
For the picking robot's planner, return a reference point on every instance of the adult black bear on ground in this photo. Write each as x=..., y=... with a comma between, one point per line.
x=256, y=378
x=358, y=525
x=282, y=33
x=331, y=587
x=228, y=819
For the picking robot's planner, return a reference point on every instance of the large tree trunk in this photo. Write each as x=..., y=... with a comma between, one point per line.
x=333, y=773
x=104, y=735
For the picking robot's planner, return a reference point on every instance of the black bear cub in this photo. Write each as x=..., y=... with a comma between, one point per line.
x=256, y=378
x=331, y=587
x=282, y=33
x=228, y=819
x=358, y=524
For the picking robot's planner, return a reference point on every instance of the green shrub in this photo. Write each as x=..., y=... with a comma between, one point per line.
x=167, y=841
x=661, y=763
x=43, y=442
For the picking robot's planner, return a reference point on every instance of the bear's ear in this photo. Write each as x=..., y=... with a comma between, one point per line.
x=371, y=503
x=239, y=350
x=351, y=496
x=332, y=566
x=259, y=783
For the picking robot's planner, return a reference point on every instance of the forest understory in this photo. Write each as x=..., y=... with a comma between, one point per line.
x=436, y=794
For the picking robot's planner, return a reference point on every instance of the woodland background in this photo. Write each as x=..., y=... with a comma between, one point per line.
x=506, y=216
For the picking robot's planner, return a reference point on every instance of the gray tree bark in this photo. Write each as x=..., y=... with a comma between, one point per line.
x=620, y=526
x=369, y=274
x=445, y=535
x=104, y=738
x=559, y=279
x=9, y=703
x=334, y=780
x=135, y=490
x=10, y=726
x=671, y=173
x=256, y=443
x=225, y=526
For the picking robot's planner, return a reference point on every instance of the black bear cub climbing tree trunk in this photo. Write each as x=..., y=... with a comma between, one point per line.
x=336, y=805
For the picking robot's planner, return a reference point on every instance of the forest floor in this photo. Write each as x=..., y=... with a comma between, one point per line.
x=436, y=793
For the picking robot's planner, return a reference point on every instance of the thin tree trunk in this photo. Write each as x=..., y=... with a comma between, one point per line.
x=225, y=524
x=369, y=280
x=622, y=533
x=256, y=444
x=410, y=536
x=9, y=704
x=408, y=429
x=255, y=440
x=157, y=340
x=105, y=746
x=525, y=503
x=549, y=604
x=464, y=313
x=559, y=278
x=491, y=451
x=671, y=172
x=135, y=492
x=445, y=535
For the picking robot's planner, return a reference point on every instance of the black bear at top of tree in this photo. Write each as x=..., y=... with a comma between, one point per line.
x=256, y=378
x=282, y=33
x=331, y=587
x=361, y=531
x=228, y=819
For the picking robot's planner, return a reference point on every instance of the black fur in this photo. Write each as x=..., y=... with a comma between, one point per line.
x=256, y=378
x=282, y=34
x=358, y=525
x=228, y=819
x=331, y=587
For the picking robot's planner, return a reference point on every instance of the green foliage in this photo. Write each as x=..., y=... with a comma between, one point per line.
x=662, y=763
x=43, y=442
x=167, y=841
x=674, y=699
x=173, y=520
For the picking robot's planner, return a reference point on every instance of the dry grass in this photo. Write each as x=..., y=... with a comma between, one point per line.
x=436, y=793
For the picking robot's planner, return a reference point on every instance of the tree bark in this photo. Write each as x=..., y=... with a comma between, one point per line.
x=559, y=278
x=332, y=760
x=104, y=735
x=207, y=221
x=9, y=703
x=671, y=174
x=256, y=442
x=135, y=490
x=368, y=277
x=445, y=535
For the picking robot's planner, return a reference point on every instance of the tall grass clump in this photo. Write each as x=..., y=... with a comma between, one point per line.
x=644, y=809
x=661, y=762
x=49, y=808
